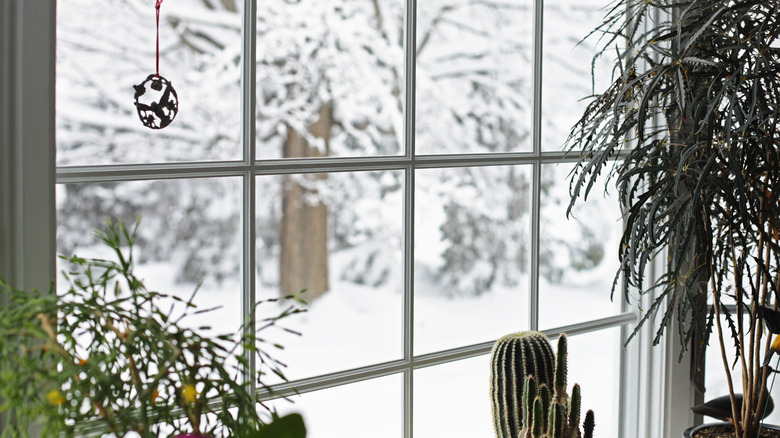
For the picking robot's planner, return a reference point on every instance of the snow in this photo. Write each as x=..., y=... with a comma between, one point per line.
x=472, y=225
x=357, y=325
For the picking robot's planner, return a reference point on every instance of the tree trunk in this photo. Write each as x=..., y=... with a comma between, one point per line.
x=304, y=226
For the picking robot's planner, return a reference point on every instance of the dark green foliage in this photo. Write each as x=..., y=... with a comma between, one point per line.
x=691, y=120
x=515, y=357
x=689, y=132
x=289, y=426
x=104, y=357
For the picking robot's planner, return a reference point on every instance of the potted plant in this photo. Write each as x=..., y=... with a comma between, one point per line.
x=688, y=131
x=528, y=393
x=105, y=357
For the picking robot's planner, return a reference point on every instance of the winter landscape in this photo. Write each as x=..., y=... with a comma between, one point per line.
x=330, y=83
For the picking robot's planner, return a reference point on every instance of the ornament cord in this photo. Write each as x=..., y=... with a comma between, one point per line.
x=157, y=42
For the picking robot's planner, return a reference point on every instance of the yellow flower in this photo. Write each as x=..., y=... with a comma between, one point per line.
x=155, y=394
x=55, y=397
x=189, y=393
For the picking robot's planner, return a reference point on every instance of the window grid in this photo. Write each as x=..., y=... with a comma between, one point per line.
x=536, y=173
x=249, y=199
x=410, y=43
x=248, y=169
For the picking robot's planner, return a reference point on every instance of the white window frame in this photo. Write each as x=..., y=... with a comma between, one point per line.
x=27, y=220
x=655, y=390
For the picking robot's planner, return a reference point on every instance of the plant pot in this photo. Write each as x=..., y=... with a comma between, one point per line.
x=689, y=433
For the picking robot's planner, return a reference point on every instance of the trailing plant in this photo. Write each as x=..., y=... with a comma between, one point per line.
x=688, y=131
x=103, y=356
x=524, y=370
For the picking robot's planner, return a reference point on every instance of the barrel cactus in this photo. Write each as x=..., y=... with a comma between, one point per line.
x=539, y=412
x=514, y=357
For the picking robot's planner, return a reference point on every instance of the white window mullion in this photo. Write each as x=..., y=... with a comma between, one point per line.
x=27, y=145
x=408, y=307
x=410, y=52
x=248, y=103
x=536, y=130
x=27, y=165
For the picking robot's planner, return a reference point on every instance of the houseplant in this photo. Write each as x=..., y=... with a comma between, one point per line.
x=528, y=392
x=104, y=356
x=688, y=131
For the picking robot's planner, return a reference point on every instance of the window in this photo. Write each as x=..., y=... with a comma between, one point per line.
x=399, y=159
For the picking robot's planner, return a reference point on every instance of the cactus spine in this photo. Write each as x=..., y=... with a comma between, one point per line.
x=544, y=415
x=514, y=358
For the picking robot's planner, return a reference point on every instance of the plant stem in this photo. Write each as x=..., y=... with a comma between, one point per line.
x=723, y=354
x=739, y=290
x=760, y=383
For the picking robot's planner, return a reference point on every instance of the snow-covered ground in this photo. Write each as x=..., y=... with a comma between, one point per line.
x=356, y=325
x=359, y=324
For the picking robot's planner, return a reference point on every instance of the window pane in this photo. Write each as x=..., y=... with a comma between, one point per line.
x=474, y=70
x=566, y=78
x=329, y=78
x=471, y=255
x=594, y=363
x=453, y=400
x=371, y=408
x=578, y=256
x=105, y=48
x=189, y=231
x=339, y=236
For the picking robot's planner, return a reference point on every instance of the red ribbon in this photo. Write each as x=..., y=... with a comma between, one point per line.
x=157, y=8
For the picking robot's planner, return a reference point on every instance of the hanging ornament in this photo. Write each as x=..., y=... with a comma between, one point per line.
x=155, y=99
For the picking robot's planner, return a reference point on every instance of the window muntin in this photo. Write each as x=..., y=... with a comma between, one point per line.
x=418, y=353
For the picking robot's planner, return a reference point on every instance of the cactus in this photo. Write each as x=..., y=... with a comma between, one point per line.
x=561, y=359
x=529, y=394
x=574, y=406
x=543, y=415
x=588, y=425
x=514, y=358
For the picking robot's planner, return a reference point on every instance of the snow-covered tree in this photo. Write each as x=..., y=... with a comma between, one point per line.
x=330, y=83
